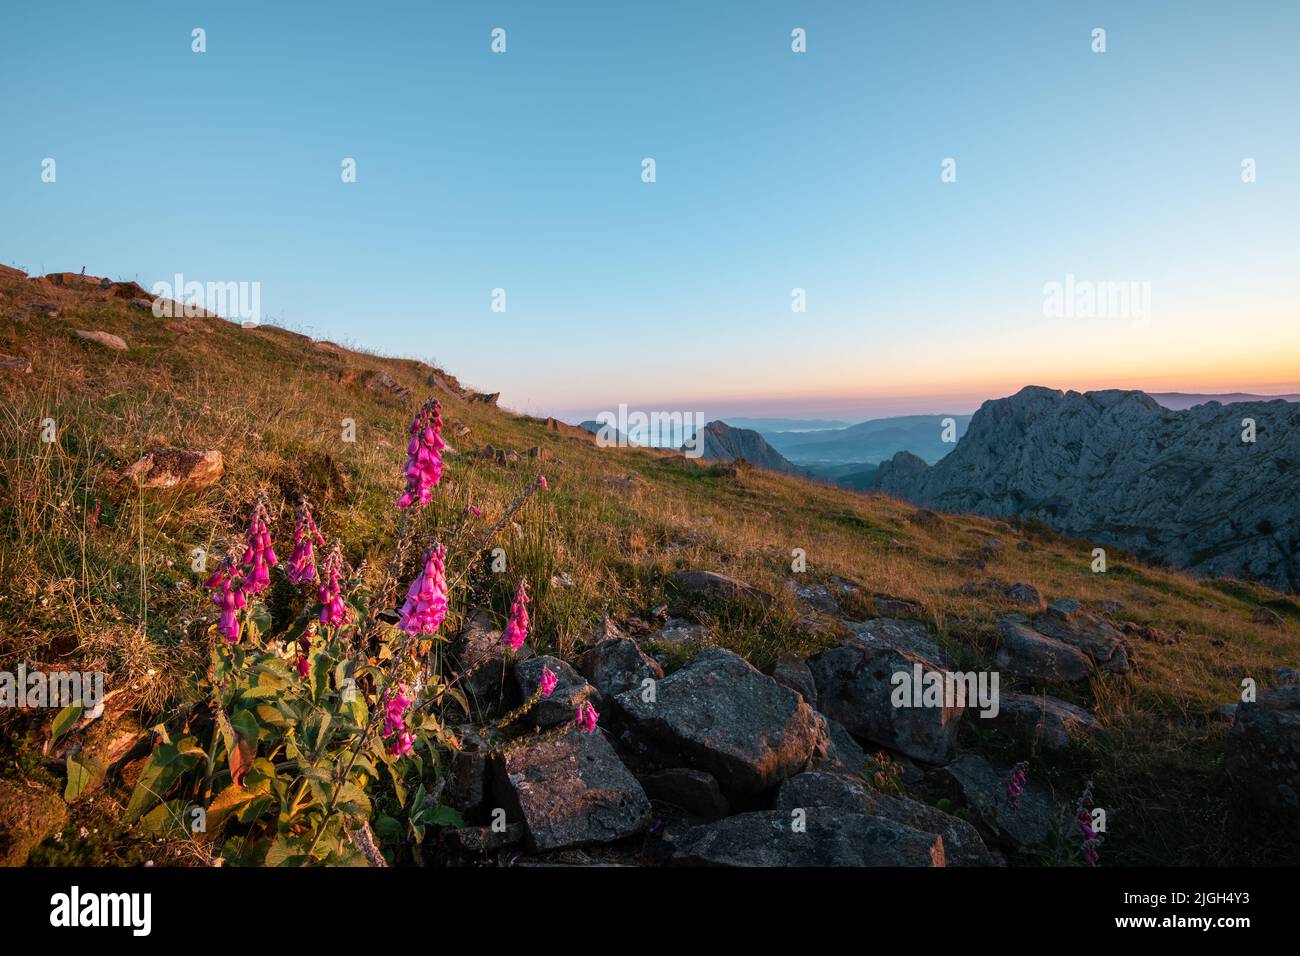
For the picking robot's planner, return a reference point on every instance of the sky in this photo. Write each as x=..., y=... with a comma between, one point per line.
x=774, y=171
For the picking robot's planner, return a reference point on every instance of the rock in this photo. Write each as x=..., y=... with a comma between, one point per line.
x=713, y=584
x=106, y=339
x=1263, y=750
x=983, y=789
x=618, y=665
x=792, y=671
x=892, y=607
x=176, y=468
x=1286, y=675
x=1066, y=621
x=15, y=363
x=1042, y=720
x=627, y=484
x=922, y=517
x=1026, y=653
x=1225, y=712
x=679, y=632
x=482, y=840
x=828, y=837
x=570, y=691
x=28, y=814
x=478, y=654
x=814, y=598
x=467, y=791
x=842, y=750
x=484, y=398
x=719, y=714
x=571, y=791
x=1268, y=617
x=381, y=381
x=855, y=687
x=961, y=842
x=693, y=791
x=910, y=636
x=1025, y=594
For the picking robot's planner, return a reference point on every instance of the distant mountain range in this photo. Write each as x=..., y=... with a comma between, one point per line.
x=765, y=425
x=1178, y=401
x=1117, y=467
x=723, y=443
x=871, y=442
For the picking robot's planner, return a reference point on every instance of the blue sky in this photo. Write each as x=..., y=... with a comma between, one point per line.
x=775, y=170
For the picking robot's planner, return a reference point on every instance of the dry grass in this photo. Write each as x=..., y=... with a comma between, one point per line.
x=92, y=571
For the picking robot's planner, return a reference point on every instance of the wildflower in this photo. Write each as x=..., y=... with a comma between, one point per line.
x=517, y=627
x=330, y=593
x=471, y=508
x=402, y=744
x=426, y=600
x=227, y=586
x=549, y=680
x=1083, y=816
x=423, y=456
x=304, y=647
x=259, y=557
x=1016, y=785
x=302, y=563
x=586, y=717
x=541, y=483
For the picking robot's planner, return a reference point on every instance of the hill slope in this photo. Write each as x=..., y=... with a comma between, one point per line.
x=95, y=569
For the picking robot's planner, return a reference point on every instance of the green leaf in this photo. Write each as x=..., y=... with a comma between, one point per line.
x=353, y=802
x=246, y=725
x=441, y=816
x=260, y=616
x=286, y=852
x=64, y=721
x=83, y=774
x=165, y=766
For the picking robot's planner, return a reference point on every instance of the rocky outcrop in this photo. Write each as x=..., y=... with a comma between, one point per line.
x=175, y=468
x=1026, y=653
x=720, y=715
x=618, y=665
x=982, y=788
x=1263, y=750
x=713, y=584
x=1042, y=720
x=1114, y=467
x=570, y=690
x=724, y=443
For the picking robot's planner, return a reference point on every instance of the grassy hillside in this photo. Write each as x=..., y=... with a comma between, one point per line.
x=95, y=573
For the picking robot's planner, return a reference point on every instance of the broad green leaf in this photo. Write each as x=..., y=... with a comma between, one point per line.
x=83, y=773
x=64, y=721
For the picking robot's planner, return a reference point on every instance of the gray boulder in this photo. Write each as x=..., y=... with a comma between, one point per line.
x=693, y=791
x=1026, y=653
x=478, y=654
x=713, y=584
x=570, y=690
x=719, y=714
x=1263, y=750
x=618, y=665
x=982, y=787
x=1039, y=719
x=792, y=671
x=1068, y=622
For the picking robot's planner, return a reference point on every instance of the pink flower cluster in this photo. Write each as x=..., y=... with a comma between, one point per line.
x=516, y=631
x=403, y=742
x=1016, y=785
x=302, y=563
x=330, y=593
x=426, y=600
x=423, y=456
x=548, y=682
x=586, y=717
x=1083, y=816
x=227, y=587
x=259, y=557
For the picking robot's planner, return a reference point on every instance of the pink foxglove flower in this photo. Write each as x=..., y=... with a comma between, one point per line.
x=1091, y=838
x=541, y=483
x=426, y=599
x=302, y=563
x=402, y=744
x=517, y=627
x=259, y=557
x=586, y=717
x=227, y=586
x=423, y=456
x=330, y=593
x=548, y=682
x=471, y=508
x=1016, y=785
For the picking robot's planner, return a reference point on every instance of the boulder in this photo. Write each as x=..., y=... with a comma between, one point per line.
x=618, y=665
x=713, y=584
x=1263, y=750
x=855, y=687
x=1026, y=653
x=818, y=837
x=571, y=791
x=677, y=631
x=176, y=468
x=106, y=339
x=481, y=840
x=692, y=791
x=570, y=690
x=15, y=363
x=719, y=714
x=842, y=750
x=28, y=814
x=982, y=787
x=961, y=842
x=1025, y=594
x=467, y=790
x=910, y=636
x=1068, y=622
x=792, y=671
x=480, y=659
x=1042, y=720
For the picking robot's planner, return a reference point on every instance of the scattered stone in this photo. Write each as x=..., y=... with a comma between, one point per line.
x=28, y=814
x=484, y=398
x=719, y=714
x=693, y=791
x=961, y=842
x=479, y=655
x=1268, y=617
x=925, y=518
x=1263, y=750
x=1286, y=675
x=829, y=837
x=570, y=691
x=15, y=363
x=106, y=339
x=1225, y=712
x=381, y=381
x=618, y=665
x=677, y=631
x=713, y=584
x=1026, y=653
x=1067, y=621
x=1025, y=594
x=792, y=671
x=892, y=607
x=910, y=636
x=176, y=468
x=1042, y=720
x=627, y=484
x=842, y=750
x=571, y=791
x=983, y=789
x=815, y=598
x=482, y=840
x=855, y=687
x=1149, y=632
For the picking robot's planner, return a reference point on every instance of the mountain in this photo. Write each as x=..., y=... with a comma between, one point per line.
x=856, y=476
x=871, y=441
x=765, y=425
x=1115, y=467
x=724, y=443
x=1179, y=401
